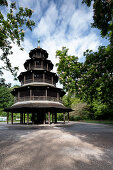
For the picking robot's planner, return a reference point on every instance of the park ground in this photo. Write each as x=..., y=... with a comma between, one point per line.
x=73, y=146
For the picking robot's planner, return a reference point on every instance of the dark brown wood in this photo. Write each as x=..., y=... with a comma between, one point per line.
x=33, y=77
x=27, y=118
x=24, y=118
x=21, y=118
x=52, y=117
x=11, y=118
x=55, y=117
x=64, y=118
x=49, y=118
x=7, y=117
x=42, y=96
x=24, y=80
x=33, y=117
x=44, y=119
x=68, y=117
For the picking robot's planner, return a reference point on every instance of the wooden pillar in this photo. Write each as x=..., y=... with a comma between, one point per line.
x=27, y=118
x=41, y=64
x=30, y=94
x=33, y=118
x=49, y=118
x=52, y=79
x=7, y=117
x=33, y=77
x=68, y=117
x=55, y=117
x=24, y=80
x=18, y=95
x=44, y=119
x=29, y=66
x=57, y=96
x=11, y=118
x=35, y=63
x=43, y=77
x=46, y=94
x=24, y=118
x=20, y=118
x=52, y=117
x=64, y=118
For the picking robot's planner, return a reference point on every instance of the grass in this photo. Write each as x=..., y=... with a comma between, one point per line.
x=99, y=121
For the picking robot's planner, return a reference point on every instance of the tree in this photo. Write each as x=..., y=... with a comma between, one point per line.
x=6, y=99
x=92, y=81
x=69, y=70
x=12, y=30
x=103, y=17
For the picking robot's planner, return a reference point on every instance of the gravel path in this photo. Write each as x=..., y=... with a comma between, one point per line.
x=77, y=146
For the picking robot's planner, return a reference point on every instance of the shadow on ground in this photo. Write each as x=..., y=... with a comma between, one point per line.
x=78, y=146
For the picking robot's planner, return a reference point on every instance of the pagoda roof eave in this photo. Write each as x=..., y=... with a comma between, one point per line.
x=30, y=71
x=33, y=108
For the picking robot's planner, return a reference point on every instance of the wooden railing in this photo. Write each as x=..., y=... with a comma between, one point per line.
x=37, y=98
x=39, y=80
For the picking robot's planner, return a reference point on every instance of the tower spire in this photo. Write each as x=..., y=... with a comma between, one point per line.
x=38, y=44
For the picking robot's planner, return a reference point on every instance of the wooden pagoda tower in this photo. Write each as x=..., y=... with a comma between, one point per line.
x=38, y=93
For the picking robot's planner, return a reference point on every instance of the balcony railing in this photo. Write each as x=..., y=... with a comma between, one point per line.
x=37, y=98
x=38, y=80
x=41, y=67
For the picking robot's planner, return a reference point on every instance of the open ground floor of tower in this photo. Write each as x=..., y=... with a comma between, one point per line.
x=73, y=146
x=36, y=118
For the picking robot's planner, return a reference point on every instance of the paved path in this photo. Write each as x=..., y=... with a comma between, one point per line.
x=77, y=146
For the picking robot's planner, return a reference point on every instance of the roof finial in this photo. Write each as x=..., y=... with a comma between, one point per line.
x=38, y=44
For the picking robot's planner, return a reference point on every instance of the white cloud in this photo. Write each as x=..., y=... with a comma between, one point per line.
x=47, y=24
x=17, y=59
x=61, y=23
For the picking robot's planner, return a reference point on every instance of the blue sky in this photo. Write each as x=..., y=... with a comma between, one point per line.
x=58, y=23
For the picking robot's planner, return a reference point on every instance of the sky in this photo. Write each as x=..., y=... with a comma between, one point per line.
x=59, y=23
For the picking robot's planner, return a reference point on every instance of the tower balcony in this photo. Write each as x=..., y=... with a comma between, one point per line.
x=39, y=80
x=37, y=98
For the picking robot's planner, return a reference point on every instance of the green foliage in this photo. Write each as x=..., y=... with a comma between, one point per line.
x=69, y=70
x=97, y=78
x=12, y=30
x=6, y=99
x=92, y=81
x=103, y=17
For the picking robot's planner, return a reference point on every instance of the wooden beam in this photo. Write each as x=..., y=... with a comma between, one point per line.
x=64, y=118
x=49, y=118
x=7, y=117
x=27, y=118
